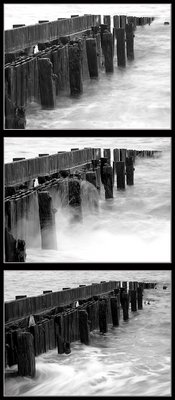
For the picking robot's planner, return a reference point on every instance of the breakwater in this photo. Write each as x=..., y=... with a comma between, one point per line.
x=30, y=210
x=70, y=52
x=35, y=188
x=33, y=325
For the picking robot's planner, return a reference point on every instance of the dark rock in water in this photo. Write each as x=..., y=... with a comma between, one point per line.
x=164, y=287
x=166, y=23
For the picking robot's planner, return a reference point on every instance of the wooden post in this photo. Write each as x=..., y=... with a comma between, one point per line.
x=120, y=169
x=108, y=181
x=107, y=154
x=103, y=27
x=125, y=306
x=84, y=327
x=129, y=171
x=103, y=315
x=102, y=163
x=15, y=250
x=98, y=177
x=133, y=300
x=74, y=192
x=129, y=42
x=34, y=330
x=107, y=21
x=59, y=331
x=46, y=83
x=26, y=354
x=91, y=177
x=116, y=21
x=95, y=164
x=67, y=349
x=108, y=51
x=121, y=58
x=116, y=157
x=18, y=25
x=75, y=69
x=122, y=21
x=91, y=49
x=123, y=155
x=114, y=310
x=75, y=198
x=140, y=297
x=47, y=221
x=124, y=285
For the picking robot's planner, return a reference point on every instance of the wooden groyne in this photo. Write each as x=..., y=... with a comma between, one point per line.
x=34, y=325
x=35, y=188
x=70, y=51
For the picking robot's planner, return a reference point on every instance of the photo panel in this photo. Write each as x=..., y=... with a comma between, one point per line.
x=87, y=280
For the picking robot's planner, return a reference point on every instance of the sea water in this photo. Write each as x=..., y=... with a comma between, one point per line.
x=133, y=359
x=134, y=226
x=137, y=97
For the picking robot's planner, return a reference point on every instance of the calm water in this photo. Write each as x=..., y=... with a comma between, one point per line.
x=134, y=226
x=131, y=360
x=135, y=98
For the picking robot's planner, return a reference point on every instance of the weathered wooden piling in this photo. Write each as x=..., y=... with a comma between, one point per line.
x=26, y=354
x=91, y=48
x=15, y=250
x=98, y=177
x=108, y=181
x=133, y=300
x=120, y=170
x=107, y=47
x=122, y=21
x=116, y=21
x=140, y=297
x=46, y=83
x=75, y=69
x=129, y=42
x=103, y=161
x=123, y=153
x=103, y=316
x=116, y=155
x=125, y=305
x=47, y=221
x=129, y=171
x=84, y=327
x=103, y=28
x=74, y=192
x=107, y=154
x=115, y=306
x=59, y=332
x=91, y=177
x=121, y=57
x=74, y=195
x=107, y=21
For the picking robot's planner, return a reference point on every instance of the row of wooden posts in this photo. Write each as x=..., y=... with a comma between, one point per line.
x=62, y=67
x=31, y=212
x=58, y=327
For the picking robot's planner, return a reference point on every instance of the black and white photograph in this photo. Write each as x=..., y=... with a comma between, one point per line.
x=87, y=199
x=87, y=66
x=87, y=333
